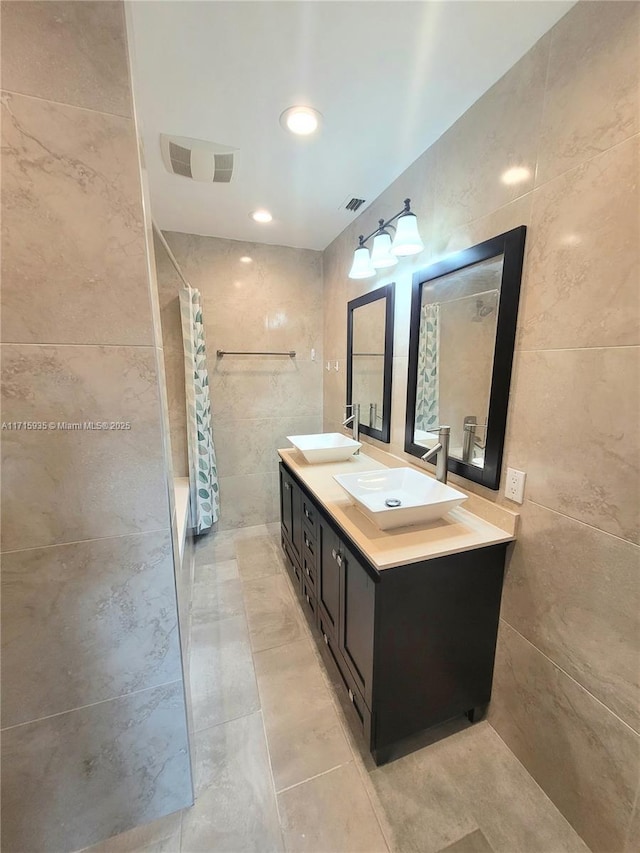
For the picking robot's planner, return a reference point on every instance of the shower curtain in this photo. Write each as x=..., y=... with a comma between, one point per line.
x=203, y=476
x=428, y=389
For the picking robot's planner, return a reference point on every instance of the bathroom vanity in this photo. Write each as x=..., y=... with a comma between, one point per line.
x=408, y=616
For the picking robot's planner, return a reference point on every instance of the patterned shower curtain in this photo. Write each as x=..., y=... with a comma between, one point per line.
x=203, y=476
x=428, y=385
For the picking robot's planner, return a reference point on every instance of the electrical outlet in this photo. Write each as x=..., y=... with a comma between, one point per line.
x=514, y=487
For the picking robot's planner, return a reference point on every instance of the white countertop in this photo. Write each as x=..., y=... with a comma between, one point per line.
x=460, y=530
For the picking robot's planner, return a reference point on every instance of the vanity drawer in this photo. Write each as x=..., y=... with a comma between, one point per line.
x=309, y=603
x=310, y=516
x=295, y=572
x=309, y=547
x=309, y=571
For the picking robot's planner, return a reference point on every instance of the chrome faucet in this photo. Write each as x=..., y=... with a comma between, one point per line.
x=354, y=420
x=442, y=451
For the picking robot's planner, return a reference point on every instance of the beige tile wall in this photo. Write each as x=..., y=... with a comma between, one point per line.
x=94, y=735
x=567, y=686
x=273, y=302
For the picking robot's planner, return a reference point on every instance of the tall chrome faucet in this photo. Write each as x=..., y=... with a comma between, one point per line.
x=354, y=420
x=442, y=451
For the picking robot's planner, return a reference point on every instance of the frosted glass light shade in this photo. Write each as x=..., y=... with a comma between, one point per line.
x=407, y=240
x=381, y=256
x=362, y=266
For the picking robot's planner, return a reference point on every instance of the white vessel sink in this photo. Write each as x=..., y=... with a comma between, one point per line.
x=421, y=499
x=325, y=446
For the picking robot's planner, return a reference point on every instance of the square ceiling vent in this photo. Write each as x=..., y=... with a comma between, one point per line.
x=197, y=159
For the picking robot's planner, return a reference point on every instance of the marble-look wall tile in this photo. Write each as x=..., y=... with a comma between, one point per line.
x=499, y=132
x=583, y=256
x=244, y=445
x=586, y=462
x=73, y=779
x=574, y=592
x=591, y=101
x=73, y=230
x=584, y=757
x=247, y=500
x=73, y=53
x=121, y=588
x=67, y=485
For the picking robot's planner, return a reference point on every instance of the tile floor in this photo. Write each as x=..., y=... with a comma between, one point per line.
x=277, y=765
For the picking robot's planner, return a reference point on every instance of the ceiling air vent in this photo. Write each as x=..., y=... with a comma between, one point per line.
x=353, y=204
x=197, y=159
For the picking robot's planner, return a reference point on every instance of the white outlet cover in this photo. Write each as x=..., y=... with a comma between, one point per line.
x=514, y=486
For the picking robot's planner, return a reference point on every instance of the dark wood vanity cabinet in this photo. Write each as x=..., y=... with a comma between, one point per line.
x=415, y=644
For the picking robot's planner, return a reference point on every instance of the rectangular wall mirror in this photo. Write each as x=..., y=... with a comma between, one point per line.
x=463, y=325
x=370, y=359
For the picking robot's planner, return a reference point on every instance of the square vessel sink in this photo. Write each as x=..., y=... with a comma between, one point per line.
x=325, y=446
x=399, y=497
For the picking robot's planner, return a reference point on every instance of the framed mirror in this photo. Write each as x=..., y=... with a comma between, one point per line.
x=370, y=359
x=463, y=327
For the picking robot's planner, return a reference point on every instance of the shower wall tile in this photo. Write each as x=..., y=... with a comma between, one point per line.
x=583, y=256
x=122, y=588
x=67, y=485
x=582, y=755
x=256, y=401
x=591, y=99
x=73, y=230
x=73, y=53
x=574, y=592
x=79, y=777
x=586, y=464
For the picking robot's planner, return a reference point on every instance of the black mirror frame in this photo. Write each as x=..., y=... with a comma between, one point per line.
x=386, y=292
x=511, y=246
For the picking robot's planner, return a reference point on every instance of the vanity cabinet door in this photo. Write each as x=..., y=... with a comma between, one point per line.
x=328, y=577
x=291, y=512
x=357, y=614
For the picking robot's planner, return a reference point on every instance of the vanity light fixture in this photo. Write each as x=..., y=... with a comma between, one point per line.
x=261, y=216
x=385, y=252
x=303, y=121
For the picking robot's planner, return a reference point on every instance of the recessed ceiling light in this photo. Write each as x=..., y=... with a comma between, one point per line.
x=300, y=120
x=515, y=175
x=261, y=216
x=245, y=259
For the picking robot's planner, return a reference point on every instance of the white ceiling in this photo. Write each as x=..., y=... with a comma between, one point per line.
x=389, y=78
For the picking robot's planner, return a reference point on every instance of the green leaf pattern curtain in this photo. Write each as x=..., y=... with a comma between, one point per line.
x=203, y=475
x=428, y=385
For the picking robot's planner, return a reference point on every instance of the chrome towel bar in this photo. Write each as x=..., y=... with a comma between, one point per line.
x=291, y=353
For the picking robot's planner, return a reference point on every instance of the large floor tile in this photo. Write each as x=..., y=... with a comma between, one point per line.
x=159, y=836
x=214, y=547
x=215, y=599
x=73, y=779
x=475, y=842
x=274, y=618
x=584, y=757
x=330, y=813
x=257, y=557
x=121, y=590
x=574, y=592
x=303, y=730
x=222, y=677
x=235, y=807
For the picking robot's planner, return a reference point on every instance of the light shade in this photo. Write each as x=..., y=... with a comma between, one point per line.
x=407, y=240
x=381, y=256
x=362, y=266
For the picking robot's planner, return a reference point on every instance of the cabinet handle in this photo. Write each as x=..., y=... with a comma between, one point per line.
x=307, y=571
x=339, y=559
x=307, y=513
x=287, y=486
x=326, y=639
x=350, y=695
x=308, y=599
x=333, y=553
